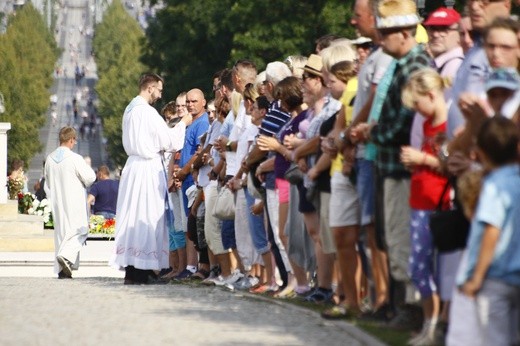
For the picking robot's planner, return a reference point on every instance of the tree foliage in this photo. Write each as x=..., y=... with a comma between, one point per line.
x=190, y=40
x=117, y=46
x=27, y=58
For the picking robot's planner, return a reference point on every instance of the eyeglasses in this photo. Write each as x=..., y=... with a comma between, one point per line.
x=306, y=76
x=442, y=30
x=216, y=87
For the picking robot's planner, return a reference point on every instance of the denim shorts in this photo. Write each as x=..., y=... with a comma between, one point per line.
x=366, y=190
x=257, y=227
x=228, y=234
x=177, y=239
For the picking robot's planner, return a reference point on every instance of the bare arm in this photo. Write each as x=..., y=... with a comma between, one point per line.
x=311, y=146
x=487, y=251
x=321, y=165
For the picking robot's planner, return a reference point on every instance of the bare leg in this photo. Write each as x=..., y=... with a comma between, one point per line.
x=348, y=262
x=192, y=255
x=379, y=268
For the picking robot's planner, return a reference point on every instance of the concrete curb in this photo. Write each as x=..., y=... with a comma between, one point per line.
x=349, y=328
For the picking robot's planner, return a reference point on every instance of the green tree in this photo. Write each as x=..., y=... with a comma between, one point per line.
x=117, y=46
x=27, y=61
x=189, y=40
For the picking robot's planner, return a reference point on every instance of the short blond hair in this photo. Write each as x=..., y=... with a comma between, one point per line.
x=251, y=92
x=236, y=98
x=66, y=134
x=420, y=83
x=336, y=53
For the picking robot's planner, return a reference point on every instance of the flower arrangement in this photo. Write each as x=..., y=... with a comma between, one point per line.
x=42, y=208
x=99, y=225
x=29, y=204
x=15, y=186
x=25, y=202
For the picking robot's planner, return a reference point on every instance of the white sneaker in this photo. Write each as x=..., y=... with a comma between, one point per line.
x=229, y=280
x=426, y=337
x=246, y=283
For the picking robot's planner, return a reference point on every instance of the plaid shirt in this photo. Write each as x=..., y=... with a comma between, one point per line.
x=393, y=128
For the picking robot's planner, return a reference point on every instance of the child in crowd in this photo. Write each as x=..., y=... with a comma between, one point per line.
x=492, y=273
x=424, y=94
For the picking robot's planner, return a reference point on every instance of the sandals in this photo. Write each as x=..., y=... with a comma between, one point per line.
x=336, y=313
x=201, y=274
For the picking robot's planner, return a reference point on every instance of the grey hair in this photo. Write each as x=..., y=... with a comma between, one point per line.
x=276, y=71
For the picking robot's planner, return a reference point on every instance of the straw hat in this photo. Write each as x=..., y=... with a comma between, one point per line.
x=314, y=65
x=397, y=14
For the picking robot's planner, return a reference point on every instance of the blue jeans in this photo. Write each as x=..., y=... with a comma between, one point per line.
x=257, y=227
x=366, y=190
x=106, y=214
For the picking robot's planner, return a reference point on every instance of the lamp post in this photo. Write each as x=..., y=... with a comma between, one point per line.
x=4, y=127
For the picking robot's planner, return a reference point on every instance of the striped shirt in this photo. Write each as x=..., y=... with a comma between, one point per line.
x=274, y=120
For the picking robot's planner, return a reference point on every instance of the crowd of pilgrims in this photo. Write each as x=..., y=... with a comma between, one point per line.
x=333, y=166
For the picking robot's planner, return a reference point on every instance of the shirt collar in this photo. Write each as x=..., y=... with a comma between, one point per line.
x=412, y=53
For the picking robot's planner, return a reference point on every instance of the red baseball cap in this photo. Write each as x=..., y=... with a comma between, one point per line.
x=442, y=17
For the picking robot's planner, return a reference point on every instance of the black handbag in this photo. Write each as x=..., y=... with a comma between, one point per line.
x=294, y=174
x=449, y=228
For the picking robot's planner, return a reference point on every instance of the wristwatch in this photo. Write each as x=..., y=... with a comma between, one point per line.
x=444, y=153
x=343, y=136
x=228, y=146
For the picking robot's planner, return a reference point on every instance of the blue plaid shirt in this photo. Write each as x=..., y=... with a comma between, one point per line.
x=395, y=122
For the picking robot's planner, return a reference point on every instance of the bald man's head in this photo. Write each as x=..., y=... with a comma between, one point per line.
x=195, y=102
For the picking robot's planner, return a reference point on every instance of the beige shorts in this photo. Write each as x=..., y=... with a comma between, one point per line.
x=328, y=244
x=212, y=225
x=344, y=202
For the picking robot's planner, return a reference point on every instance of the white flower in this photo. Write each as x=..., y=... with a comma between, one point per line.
x=47, y=209
x=46, y=218
x=35, y=203
x=44, y=202
x=30, y=211
x=39, y=212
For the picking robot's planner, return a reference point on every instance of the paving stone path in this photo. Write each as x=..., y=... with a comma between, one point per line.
x=102, y=311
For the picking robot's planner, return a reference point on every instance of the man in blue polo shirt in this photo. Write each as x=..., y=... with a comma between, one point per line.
x=103, y=194
x=195, y=103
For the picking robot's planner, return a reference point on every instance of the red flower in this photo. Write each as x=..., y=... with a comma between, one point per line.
x=109, y=223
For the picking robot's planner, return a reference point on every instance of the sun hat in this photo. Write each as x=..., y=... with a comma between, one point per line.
x=506, y=78
x=443, y=17
x=361, y=40
x=314, y=65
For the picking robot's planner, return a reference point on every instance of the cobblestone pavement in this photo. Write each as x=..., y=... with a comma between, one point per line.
x=103, y=311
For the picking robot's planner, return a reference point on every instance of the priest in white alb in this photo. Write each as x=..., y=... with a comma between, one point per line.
x=141, y=241
x=67, y=176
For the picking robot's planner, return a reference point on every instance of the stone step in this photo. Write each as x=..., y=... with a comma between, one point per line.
x=8, y=209
x=21, y=225
x=27, y=244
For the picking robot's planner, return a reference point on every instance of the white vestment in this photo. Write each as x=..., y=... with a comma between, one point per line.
x=67, y=176
x=141, y=231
